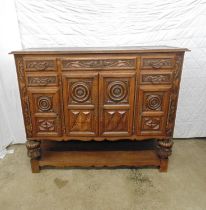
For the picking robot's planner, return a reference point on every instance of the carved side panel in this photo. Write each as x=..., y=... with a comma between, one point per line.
x=116, y=103
x=153, y=104
x=23, y=92
x=174, y=95
x=84, y=64
x=81, y=103
x=45, y=109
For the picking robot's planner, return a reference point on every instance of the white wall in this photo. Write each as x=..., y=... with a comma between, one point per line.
x=53, y=23
x=11, y=124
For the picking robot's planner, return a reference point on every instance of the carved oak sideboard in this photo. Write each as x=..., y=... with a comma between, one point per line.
x=99, y=95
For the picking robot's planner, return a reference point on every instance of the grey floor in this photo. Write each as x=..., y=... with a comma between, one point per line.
x=182, y=188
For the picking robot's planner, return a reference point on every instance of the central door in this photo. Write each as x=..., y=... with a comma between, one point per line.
x=116, y=98
x=99, y=104
x=80, y=92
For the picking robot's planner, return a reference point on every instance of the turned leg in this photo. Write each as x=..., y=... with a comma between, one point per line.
x=164, y=150
x=34, y=152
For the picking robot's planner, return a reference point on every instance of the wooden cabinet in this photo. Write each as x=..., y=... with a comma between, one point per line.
x=100, y=94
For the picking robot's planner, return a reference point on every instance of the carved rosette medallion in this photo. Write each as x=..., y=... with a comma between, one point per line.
x=153, y=102
x=33, y=149
x=80, y=92
x=44, y=103
x=117, y=91
x=164, y=148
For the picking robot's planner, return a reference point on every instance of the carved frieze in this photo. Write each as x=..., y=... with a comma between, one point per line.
x=98, y=64
x=156, y=78
x=157, y=63
x=40, y=65
x=42, y=81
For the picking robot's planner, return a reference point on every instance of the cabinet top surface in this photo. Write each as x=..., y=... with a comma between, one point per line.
x=96, y=50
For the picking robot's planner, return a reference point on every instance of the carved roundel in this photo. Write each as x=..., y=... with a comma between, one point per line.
x=117, y=91
x=154, y=102
x=44, y=103
x=80, y=92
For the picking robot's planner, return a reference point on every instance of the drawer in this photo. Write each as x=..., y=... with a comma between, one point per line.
x=98, y=63
x=155, y=78
x=42, y=80
x=157, y=62
x=40, y=64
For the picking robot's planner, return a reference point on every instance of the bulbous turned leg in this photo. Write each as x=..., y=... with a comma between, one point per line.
x=164, y=150
x=34, y=152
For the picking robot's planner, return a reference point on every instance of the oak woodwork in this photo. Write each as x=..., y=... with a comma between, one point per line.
x=99, y=94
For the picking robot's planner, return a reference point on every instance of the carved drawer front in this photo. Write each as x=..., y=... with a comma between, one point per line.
x=157, y=62
x=153, y=108
x=116, y=103
x=81, y=103
x=40, y=64
x=45, y=111
x=98, y=63
x=152, y=78
x=42, y=80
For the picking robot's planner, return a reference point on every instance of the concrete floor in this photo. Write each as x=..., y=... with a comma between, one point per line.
x=182, y=188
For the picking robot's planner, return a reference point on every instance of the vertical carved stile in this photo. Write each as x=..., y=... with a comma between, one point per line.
x=24, y=97
x=174, y=96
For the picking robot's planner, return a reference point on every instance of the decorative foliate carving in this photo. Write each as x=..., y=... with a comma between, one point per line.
x=44, y=103
x=117, y=91
x=46, y=125
x=174, y=96
x=153, y=102
x=80, y=92
x=164, y=148
x=158, y=78
x=24, y=97
x=158, y=63
x=40, y=65
x=33, y=149
x=103, y=63
x=151, y=123
x=41, y=81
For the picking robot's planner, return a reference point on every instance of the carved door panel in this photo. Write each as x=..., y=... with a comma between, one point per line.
x=80, y=92
x=45, y=111
x=116, y=92
x=153, y=107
